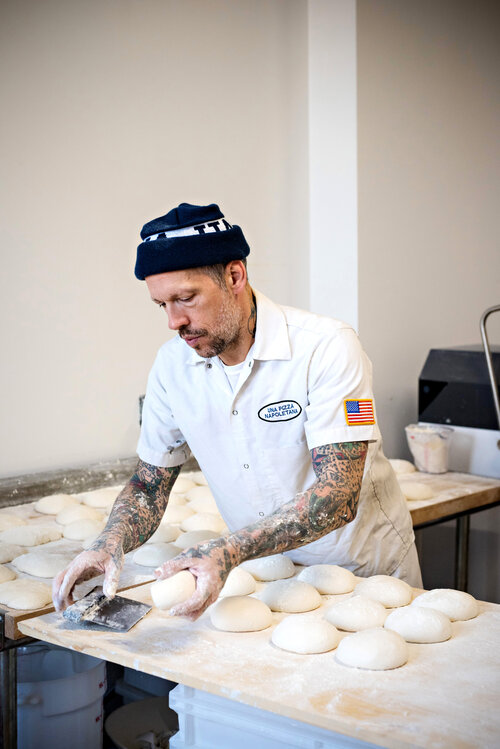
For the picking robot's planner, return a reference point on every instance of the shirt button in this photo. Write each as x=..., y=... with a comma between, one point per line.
x=261, y=514
x=235, y=412
x=245, y=465
x=209, y=365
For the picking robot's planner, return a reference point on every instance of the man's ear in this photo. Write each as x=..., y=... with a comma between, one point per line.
x=237, y=275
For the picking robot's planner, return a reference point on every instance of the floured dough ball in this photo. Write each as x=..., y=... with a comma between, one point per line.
x=204, y=503
x=376, y=649
x=176, y=499
x=328, y=579
x=165, y=533
x=390, y=591
x=9, y=551
x=80, y=512
x=183, y=485
x=239, y=582
x=30, y=535
x=177, y=513
x=274, y=567
x=240, y=614
x=200, y=492
x=54, y=503
x=419, y=624
x=416, y=490
x=79, y=530
x=6, y=574
x=42, y=563
x=196, y=476
x=173, y=590
x=357, y=613
x=101, y=498
x=203, y=521
x=305, y=634
x=193, y=538
x=25, y=594
x=291, y=596
x=153, y=555
x=8, y=520
x=455, y=604
x=402, y=466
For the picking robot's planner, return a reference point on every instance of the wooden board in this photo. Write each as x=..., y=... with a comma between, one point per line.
x=447, y=695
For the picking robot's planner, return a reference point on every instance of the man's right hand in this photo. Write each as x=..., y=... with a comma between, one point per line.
x=84, y=567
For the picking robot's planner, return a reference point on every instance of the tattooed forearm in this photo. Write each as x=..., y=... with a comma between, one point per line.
x=138, y=508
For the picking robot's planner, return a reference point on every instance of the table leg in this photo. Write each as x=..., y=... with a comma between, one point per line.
x=462, y=552
x=8, y=687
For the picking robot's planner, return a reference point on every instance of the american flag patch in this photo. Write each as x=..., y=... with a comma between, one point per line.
x=359, y=411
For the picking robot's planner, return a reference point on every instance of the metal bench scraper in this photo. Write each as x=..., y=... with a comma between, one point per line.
x=118, y=614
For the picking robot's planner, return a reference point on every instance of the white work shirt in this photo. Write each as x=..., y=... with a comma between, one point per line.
x=253, y=443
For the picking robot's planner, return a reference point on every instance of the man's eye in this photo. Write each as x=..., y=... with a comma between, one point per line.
x=161, y=305
x=186, y=299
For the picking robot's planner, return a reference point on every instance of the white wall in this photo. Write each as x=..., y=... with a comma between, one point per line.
x=112, y=113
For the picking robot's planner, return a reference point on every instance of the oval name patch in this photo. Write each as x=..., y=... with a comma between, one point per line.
x=280, y=411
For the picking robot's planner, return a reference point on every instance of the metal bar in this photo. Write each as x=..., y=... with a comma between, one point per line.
x=8, y=690
x=489, y=360
x=462, y=552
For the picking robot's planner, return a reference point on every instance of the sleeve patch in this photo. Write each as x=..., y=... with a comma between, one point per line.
x=359, y=411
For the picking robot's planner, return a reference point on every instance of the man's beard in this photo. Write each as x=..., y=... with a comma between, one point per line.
x=225, y=332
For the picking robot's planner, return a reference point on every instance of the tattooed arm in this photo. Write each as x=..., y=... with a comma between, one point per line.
x=134, y=518
x=329, y=504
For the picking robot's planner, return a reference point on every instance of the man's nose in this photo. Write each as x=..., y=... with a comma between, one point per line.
x=176, y=318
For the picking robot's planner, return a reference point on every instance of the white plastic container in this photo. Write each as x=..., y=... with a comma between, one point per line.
x=59, y=698
x=429, y=446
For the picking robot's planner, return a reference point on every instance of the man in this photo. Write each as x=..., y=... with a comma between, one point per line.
x=276, y=405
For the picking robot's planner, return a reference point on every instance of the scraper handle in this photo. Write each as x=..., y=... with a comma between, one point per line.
x=489, y=360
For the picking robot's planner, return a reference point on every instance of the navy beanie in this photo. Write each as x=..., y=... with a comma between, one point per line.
x=188, y=236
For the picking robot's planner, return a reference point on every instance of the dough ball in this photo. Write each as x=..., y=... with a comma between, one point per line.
x=183, y=485
x=305, y=634
x=165, y=533
x=30, y=535
x=419, y=624
x=25, y=594
x=197, y=477
x=173, y=590
x=390, y=591
x=153, y=555
x=79, y=512
x=328, y=578
x=200, y=492
x=274, y=567
x=357, y=613
x=402, y=466
x=291, y=596
x=6, y=574
x=204, y=504
x=79, y=530
x=193, y=538
x=203, y=521
x=54, y=503
x=7, y=520
x=240, y=614
x=101, y=498
x=9, y=551
x=455, y=604
x=239, y=582
x=175, y=499
x=176, y=513
x=42, y=563
x=377, y=649
x=415, y=490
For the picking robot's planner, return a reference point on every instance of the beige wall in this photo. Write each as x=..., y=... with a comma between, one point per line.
x=112, y=113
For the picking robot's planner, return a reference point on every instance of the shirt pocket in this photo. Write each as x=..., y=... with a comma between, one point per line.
x=287, y=471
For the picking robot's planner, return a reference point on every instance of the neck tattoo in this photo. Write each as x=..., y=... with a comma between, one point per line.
x=252, y=320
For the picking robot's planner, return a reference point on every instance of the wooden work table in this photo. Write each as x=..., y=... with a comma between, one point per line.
x=447, y=695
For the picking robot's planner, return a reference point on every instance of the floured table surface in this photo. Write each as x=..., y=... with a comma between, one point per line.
x=447, y=695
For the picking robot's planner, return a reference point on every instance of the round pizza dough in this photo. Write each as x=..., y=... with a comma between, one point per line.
x=176, y=499
x=9, y=551
x=376, y=649
x=204, y=504
x=419, y=624
x=30, y=535
x=305, y=634
x=176, y=513
x=239, y=582
x=183, y=485
x=240, y=614
x=54, y=503
x=192, y=538
x=165, y=533
x=390, y=591
x=25, y=594
x=79, y=512
x=200, y=492
x=328, y=579
x=196, y=476
x=6, y=574
x=357, y=613
x=79, y=530
x=455, y=604
x=153, y=555
x=8, y=520
x=274, y=567
x=42, y=563
x=416, y=490
x=402, y=466
x=203, y=521
x=101, y=498
x=173, y=590
x=290, y=596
